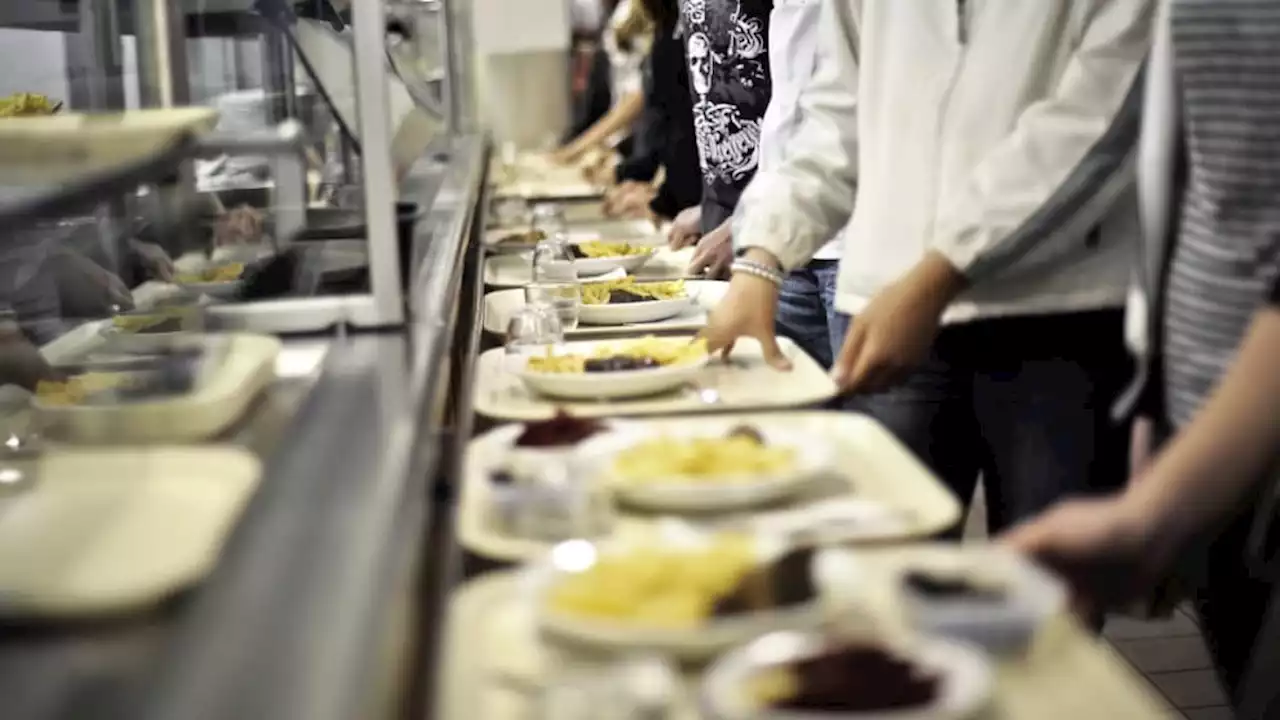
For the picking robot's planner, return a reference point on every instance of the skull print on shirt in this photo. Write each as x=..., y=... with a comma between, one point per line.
x=727, y=51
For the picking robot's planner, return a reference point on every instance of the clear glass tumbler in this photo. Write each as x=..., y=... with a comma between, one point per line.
x=563, y=297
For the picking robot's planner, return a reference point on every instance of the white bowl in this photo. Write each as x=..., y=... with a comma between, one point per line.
x=715, y=636
x=965, y=677
x=590, y=267
x=814, y=459
x=612, y=385
x=636, y=312
x=1004, y=626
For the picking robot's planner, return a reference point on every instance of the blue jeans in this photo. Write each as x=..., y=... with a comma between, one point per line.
x=807, y=311
x=1024, y=402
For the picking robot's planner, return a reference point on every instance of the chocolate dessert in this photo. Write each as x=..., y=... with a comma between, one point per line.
x=577, y=252
x=935, y=587
x=530, y=237
x=560, y=431
x=784, y=582
x=620, y=362
x=858, y=679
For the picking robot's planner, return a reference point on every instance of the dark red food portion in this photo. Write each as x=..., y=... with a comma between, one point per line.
x=748, y=432
x=620, y=362
x=623, y=297
x=577, y=252
x=559, y=431
x=859, y=679
x=944, y=588
x=781, y=583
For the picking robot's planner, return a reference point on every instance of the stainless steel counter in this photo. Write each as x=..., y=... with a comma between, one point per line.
x=313, y=611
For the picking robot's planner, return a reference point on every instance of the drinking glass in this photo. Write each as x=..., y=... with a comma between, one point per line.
x=548, y=219
x=532, y=330
x=553, y=261
x=511, y=212
x=563, y=297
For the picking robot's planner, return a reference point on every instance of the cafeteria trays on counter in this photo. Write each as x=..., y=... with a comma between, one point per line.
x=190, y=393
x=500, y=305
x=105, y=531
x=870, y=466
x=495, y=664
x=742, y=383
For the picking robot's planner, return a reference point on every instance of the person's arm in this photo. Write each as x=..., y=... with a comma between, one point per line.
x=1068, y=158
x=790, y=210
x=793, y=37
x=1216, y=462
x=620, y=117
x=645, y=158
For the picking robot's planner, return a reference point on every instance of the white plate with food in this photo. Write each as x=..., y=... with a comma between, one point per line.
x=707, y=471
x=614, y=370
x=704, y=295
x=513, y=271
x=689, y=595
x=628, y=301
x=218, y=281
x=600, y=257
x=806, y=676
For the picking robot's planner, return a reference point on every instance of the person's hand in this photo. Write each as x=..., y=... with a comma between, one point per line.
x=1106, y=549
x=631, y=201
x=85, y=288
x=714, y=253
x=21, y=362
x=747, y=310
x=686, y=228
x=618, y=196
x=567, y=155
x=894, y=332
x=155, y=260
x=602, y=169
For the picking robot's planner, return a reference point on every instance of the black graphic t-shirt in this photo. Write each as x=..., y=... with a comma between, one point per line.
x=726, y=44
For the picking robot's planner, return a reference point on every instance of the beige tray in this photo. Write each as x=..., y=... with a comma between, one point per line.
x=70, y=145
x=744, y=384
x=512, y=271
x=874, y=466
x=499, y=305
x=249, y=365
x=576, y=212
x=613, y=230
x=492, y=667
x=107, y=531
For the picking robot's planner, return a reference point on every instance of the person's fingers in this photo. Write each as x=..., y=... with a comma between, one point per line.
x=848, y=357
x=718, y=266
x=773, y=354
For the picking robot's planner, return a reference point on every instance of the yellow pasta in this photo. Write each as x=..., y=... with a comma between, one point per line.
x=222, y=273
x=663, y=351
x=598, y=293
x=77, y=389
x=600, y=249
x=672, y=589
x=710, y=460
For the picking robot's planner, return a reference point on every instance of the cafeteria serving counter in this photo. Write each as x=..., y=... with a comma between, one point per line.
x=323, y=601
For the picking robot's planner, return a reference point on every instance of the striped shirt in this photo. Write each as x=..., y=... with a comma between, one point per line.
x=1226, y=252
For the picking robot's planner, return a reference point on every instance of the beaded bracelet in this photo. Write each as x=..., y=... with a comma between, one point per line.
x=764, y=272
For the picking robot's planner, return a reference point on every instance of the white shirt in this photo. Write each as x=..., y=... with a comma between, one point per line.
x=998, y=133
x=793, y=56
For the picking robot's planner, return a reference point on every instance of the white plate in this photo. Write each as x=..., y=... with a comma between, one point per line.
x=513, y=271
x=500, y=305
x=814, y=458
x=220, y=290
x=610, y=385
x=608, y=230
x=966, y=680
x=636, y=312
x=716, y=635
x=591, y=267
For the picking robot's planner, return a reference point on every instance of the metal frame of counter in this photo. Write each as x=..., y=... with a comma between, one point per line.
x=312, y=608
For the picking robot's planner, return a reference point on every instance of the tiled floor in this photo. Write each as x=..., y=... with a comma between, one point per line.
x=1169, y=653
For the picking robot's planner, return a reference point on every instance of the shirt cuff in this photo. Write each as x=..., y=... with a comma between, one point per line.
x=776, y=233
